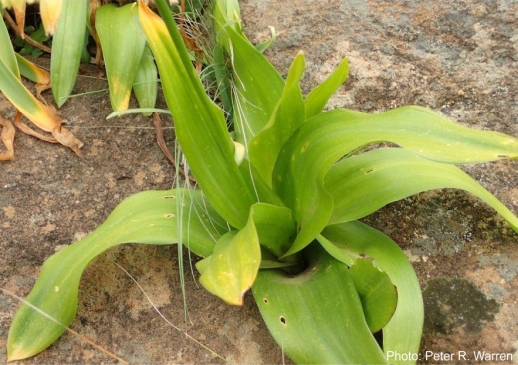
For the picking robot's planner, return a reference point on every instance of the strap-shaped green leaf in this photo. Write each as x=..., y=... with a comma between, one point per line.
x=31, y=71
x=147, y=217
x=123, y=45
x=7, y=54
x=257, y=87
x=67, y=44
x=402, y=334
x=321, y=300
x=305, y=159
x=317, y=99
x=199, y=124
x=146, y=82
x=287, y=116
x=362, y=184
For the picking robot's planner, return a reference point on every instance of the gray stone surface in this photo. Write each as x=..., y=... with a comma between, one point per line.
x=460, y=59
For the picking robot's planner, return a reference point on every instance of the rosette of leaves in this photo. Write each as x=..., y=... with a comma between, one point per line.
x=277, y=208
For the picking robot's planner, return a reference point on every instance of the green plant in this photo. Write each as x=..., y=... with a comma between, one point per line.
x=278, y=207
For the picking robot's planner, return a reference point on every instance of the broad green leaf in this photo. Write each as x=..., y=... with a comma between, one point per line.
x=316, y=317
x=123, y=45
x=67, y=44
x=231, y=269
x=403, y=332
x=362, y=184
x=377, y=293
x=199, y=124
x=287, y=116
x=146, y=82
x=148, y=218
x=306, y=158
x=319, y=96
x=257, y=87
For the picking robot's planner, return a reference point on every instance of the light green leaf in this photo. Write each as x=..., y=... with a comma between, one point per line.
x=231, y=269
x=257, y=87
x=123, y=45
x=146, y=82
x=7, y=54
x=67, y=44
x=403, y=332
x=199, y=124
x=306, y=158
x=319, y=96
x=362, y=184
x=226, y=14
x=287, y=116
x=377, y=293
x=321, y=300
x=148, y=218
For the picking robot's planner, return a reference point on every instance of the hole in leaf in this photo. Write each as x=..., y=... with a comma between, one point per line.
x=170, y=215
x=169, y=197
x=361, y=254
x=369, y=171
x=283, y=320
x=265, y=301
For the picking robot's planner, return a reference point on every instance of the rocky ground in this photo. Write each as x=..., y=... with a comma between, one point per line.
x=459, y=59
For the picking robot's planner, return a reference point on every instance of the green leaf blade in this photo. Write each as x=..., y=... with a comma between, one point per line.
x=147, y=218
x=286, y=117
x=306, y=158
x=382, y=176
x=199, y=124
x=123, y=46
x=377, y=293
x=233, y=266
x=146, y=82
x=66, y=50
x=403, y=332
x=257, y=87
x=311, y=325
x=319, y=96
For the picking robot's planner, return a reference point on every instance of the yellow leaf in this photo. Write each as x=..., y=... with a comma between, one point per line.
x=50, y=10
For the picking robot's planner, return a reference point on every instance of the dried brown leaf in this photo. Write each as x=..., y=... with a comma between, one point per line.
x=7, y=137
x=29, y=131
x=66, y=138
